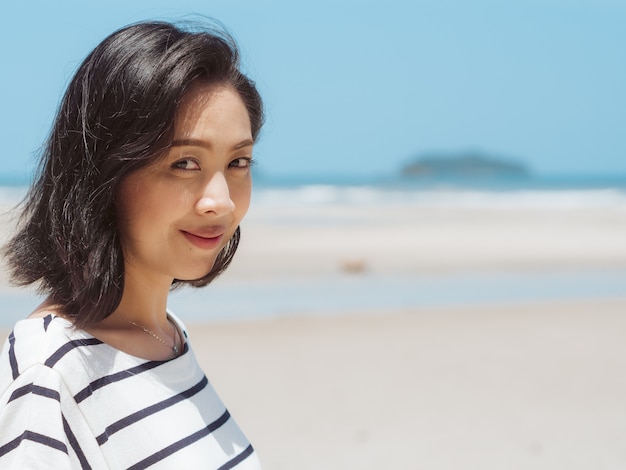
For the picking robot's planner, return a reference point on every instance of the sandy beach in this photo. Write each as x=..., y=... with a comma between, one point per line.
x=285, y=241
x=534, y=384
x=515, y=387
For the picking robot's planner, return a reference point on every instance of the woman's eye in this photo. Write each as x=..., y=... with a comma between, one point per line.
x=186, y=164
x=242, y=163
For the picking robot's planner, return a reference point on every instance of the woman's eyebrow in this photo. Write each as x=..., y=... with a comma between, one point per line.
x=207, y=144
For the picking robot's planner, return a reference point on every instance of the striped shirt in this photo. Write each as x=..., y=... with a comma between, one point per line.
x=68, y=400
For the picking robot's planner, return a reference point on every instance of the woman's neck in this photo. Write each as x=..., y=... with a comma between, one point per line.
x=144, y=299
x=139, y=325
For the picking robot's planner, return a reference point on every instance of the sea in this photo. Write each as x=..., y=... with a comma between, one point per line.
x=240, y=301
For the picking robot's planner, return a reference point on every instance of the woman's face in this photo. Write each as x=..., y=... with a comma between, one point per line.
x=176, y=214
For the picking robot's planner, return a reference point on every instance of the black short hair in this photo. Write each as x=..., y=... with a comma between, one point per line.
x=116, y=116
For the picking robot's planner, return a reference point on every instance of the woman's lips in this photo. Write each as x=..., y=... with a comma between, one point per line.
x=203, y=242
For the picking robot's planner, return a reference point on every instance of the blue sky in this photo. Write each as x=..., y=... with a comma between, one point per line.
x=356, y=88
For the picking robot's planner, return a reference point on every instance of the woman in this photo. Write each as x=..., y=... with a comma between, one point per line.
x=142, y=185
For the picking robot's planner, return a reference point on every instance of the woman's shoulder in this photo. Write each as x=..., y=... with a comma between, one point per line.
x=39, y=340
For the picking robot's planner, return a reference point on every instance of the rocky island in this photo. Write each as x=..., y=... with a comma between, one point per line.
x=464, y=165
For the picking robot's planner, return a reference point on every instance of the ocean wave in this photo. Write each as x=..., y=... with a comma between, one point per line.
x=443, y=198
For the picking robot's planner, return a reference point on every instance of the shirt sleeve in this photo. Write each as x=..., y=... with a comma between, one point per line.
x=41, y=426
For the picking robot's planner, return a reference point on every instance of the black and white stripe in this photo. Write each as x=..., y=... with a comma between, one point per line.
x=101, y=382
x=35, y=437
x=90, y=401
x=150, y=410
x=15, y=371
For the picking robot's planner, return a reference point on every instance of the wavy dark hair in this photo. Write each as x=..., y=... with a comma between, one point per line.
x=116, y=117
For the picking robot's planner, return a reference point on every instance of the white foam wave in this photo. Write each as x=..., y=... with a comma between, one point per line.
x=444, y=198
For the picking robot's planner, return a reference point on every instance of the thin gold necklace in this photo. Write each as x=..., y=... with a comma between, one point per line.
x=173, y=347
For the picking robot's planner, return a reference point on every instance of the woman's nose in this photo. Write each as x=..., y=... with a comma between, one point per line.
x=215, y=196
